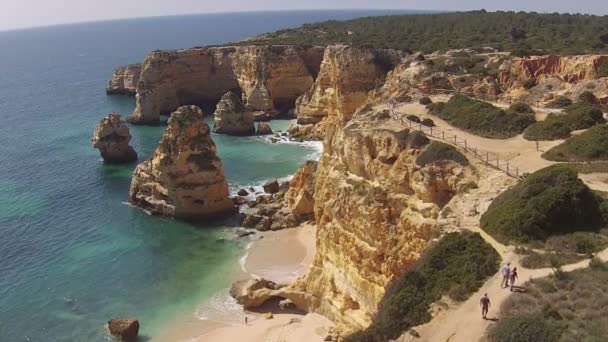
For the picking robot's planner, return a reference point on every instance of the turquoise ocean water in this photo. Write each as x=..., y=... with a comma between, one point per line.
x=72, y=254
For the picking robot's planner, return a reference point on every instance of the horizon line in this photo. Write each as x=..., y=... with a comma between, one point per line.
x=414, y=11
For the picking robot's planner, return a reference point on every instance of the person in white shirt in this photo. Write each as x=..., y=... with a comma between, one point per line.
x=506, y=274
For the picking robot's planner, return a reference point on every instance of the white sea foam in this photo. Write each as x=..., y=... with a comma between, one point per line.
x=221, y=307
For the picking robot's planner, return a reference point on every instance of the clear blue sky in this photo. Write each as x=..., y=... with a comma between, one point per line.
x=28, y=13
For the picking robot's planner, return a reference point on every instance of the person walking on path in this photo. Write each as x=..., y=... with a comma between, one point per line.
x=484, y=302
x=506, y=273
x=513, y=277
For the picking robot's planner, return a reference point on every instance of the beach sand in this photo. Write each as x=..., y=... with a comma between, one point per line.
x=280, y=256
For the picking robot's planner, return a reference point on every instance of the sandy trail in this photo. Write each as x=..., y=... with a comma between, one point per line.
x=463, y=323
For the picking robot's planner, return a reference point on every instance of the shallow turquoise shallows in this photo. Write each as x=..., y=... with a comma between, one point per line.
x=72, y=254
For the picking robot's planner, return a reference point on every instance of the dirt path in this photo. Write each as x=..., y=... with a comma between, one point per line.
x=463, y=323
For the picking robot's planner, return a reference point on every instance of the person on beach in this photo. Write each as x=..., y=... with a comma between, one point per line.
x=484, y=302
x=513, y=277
x=506, y=273
x=245, y=320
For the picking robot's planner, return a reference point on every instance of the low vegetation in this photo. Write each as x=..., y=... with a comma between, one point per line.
x=518, y=32
x=428, y=122
x=591, y=145
x=559, y=126
x=483, y=118
x=571, y=307
x=438, y=151
x=560, y=102
x=413, y=118
x=455, y=266
x=551, y=201
x=425, y=100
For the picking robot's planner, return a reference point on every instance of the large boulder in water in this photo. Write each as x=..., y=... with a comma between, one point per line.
x=126, y=329
x=232, y=118
x=264, y=129
x=184, y=177
x=111, y=137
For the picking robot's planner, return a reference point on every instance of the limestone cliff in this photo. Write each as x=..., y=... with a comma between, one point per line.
x=232, y=118
x=124, y=80
x=346, y=76
x=300, y=196
x=269, y=77
x=376, y=211
x=183, y=178
x=111, y=137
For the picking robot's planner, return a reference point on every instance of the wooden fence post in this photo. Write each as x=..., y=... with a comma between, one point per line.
x=442, y=135
x=465, y=144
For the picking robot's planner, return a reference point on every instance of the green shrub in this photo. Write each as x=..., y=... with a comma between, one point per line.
x=481, y=118
x=591, y=145
x=582, y=116
x=560, y=102
x=425, y=100
x=521, y=108
x=458, y=263
x=413, y=118
x=597, y=264
x=438, y=151
x=428, y=122
x=525, y=328
x=548, y=202
x=559, y=126
x=529, y=83
x=550, y=129
x=587, y=97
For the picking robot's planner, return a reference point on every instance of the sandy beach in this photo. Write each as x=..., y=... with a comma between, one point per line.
x=280, y=256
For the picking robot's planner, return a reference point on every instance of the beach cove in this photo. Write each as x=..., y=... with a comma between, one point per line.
x=74, y=253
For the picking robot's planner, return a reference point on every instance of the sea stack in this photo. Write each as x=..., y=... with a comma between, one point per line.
x=111, y=137
x=184, y=177
x=232, y=118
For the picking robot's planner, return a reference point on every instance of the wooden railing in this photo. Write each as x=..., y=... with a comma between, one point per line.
x=487, y=158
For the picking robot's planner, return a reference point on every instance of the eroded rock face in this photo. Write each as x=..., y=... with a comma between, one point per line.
x=111, y=137
x=269, y=77
x=346, y=76
x=232, y=118
x=183, y=178
x=375, y=214
x=569, y=69
x=264, y=129
x=126, y=329
x=300, y=196
x=124, y=80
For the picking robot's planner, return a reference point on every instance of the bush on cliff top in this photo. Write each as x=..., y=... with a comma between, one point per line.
x=457, y=266
x=559, y=126
x=550, y=201
x=438, y=151
x=560, y=102
x=481, y=118
x=591, y=145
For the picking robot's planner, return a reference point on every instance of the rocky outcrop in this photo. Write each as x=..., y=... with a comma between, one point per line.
x=111, y=137
x=264, y=129
x=184, y=177
x=124, y=80
x=376, y=211
x=300, y=196
x=232, y=118
x=126, y=329
x=269, y=77
x=568, y=69
x=346, y=76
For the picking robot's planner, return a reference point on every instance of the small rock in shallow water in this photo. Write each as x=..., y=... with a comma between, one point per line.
x=242, y=192
x=125, y=328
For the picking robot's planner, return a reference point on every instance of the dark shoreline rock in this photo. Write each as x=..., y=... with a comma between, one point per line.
x=126, y=329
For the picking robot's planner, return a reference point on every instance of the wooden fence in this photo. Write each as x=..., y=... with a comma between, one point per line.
x=487, y=158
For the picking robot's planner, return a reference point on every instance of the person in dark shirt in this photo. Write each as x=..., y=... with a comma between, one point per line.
x=485, y=305
x=513, y=277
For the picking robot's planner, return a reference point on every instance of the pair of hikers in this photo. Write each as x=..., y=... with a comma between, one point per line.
x=508, y=276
